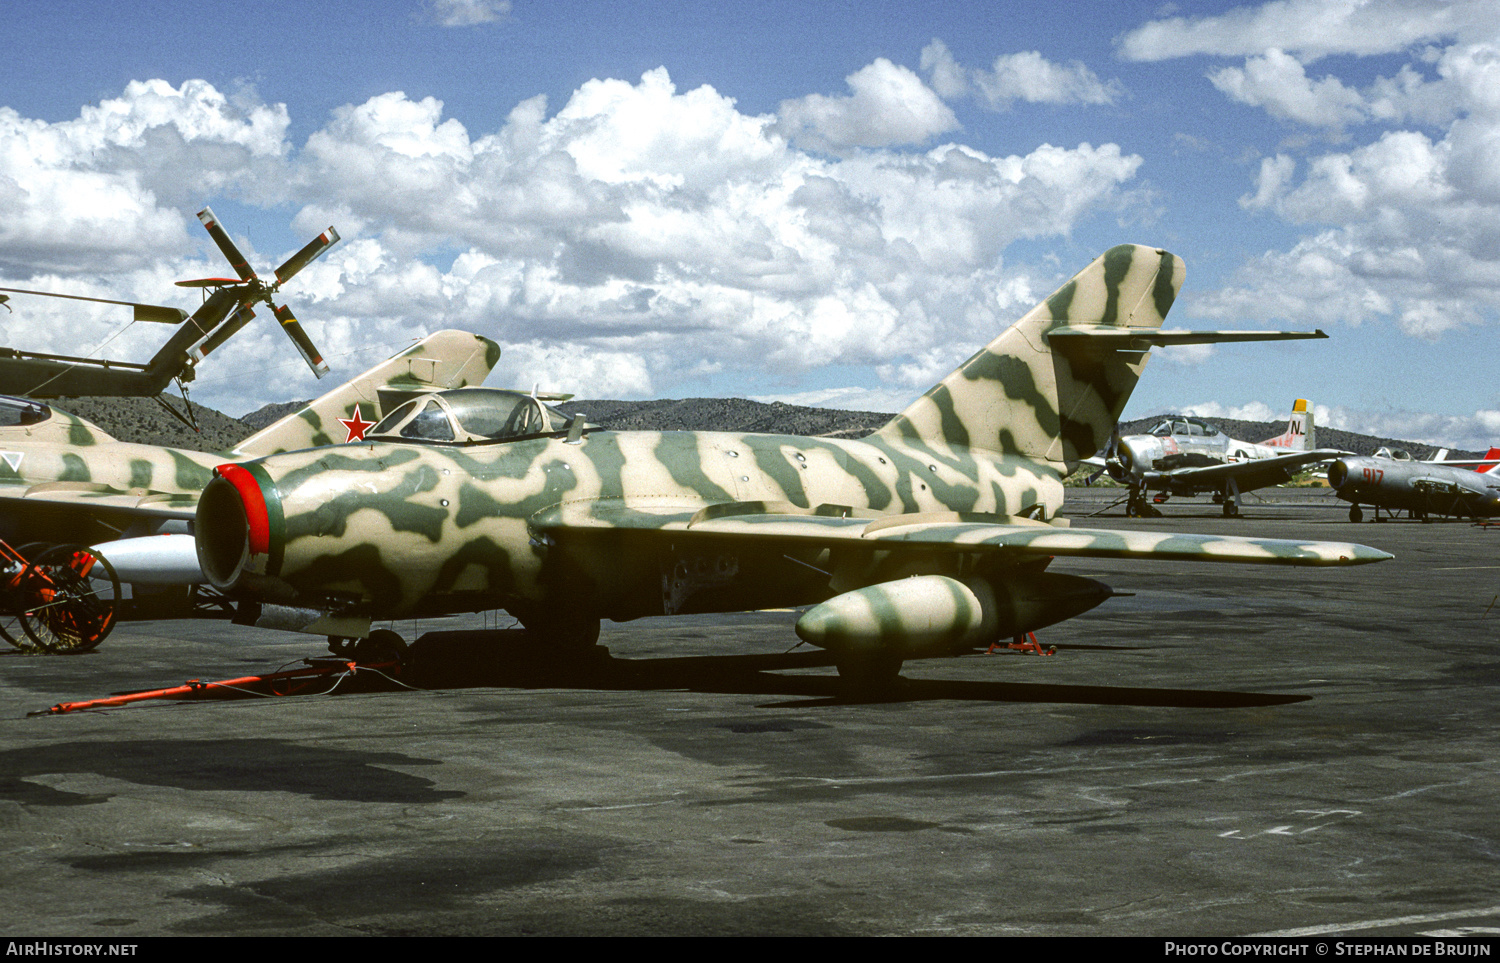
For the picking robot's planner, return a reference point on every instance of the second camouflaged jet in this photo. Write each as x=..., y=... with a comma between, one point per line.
x=931, y=536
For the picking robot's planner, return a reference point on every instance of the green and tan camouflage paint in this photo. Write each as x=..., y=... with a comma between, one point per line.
x=65, y=479
x=1055, y=404
x=961, y=483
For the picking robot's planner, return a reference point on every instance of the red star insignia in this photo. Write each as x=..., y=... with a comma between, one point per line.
x=357, y=426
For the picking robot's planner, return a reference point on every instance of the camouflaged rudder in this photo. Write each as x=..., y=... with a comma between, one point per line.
x=1023, y=395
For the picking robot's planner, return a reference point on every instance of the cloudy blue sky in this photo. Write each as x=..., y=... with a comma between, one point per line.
x=821, y=202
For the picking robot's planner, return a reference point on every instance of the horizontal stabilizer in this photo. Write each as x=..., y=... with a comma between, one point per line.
x=1138, y=339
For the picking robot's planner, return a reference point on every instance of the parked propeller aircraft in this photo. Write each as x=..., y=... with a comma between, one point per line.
x=1188, y=456
x=225, y=310
x=1393, y=480
x=64, y=480
x=928, y=537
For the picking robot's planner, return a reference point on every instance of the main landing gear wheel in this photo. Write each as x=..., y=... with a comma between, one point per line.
x=74, y=597
x=1355, y=515
x=380, y=647
x=1231, y=510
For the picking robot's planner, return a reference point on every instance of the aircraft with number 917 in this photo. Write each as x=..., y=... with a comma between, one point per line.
x=931, y=536
x=1393, y=480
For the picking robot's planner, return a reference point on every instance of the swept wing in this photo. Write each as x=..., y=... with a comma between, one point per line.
x=1259, y=473
x=942, y=532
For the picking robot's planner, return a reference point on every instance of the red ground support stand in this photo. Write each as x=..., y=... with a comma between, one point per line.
x=1027, y=648
x=291, y=682
x=59, y=598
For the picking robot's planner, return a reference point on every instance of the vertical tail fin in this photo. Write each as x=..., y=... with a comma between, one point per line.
x=1052, y=386
x=447, y=359
x=1301, y=432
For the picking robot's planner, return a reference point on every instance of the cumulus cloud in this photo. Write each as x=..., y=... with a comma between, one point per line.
x=1310, y=28
x=1026, y=76
x=467, y=13
x=1251, y=411
x=108, y=191
x=636, y=238
x=1277, y=82
x=1466, y=432
x=1400, y=226
x=1451, y=46
x=888, y=105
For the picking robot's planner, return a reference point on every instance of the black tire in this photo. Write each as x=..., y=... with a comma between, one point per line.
x=77, y=597
x=1355, y=514
x=380, y=647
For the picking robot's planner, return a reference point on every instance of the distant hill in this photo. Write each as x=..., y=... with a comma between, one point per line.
x=261, y=417
x=143, y=421
x=727, y=414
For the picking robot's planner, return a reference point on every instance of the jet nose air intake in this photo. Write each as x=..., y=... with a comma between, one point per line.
x=236, y=525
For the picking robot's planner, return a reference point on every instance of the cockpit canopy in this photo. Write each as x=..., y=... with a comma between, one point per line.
x=1394, y=454
x=19, y=412
x=471, y=415
x=1181, y=425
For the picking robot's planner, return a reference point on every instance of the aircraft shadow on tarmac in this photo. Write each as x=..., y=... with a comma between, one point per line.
x=450, y=661
x=504, y=659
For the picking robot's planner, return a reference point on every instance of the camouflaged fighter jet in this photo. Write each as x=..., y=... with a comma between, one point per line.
x=65, y=480
x=225, y=310
x=931, y=536
x=1393, y=480
x=1188, y=456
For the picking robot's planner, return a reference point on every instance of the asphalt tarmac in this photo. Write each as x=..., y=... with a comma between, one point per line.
x=1232, y=750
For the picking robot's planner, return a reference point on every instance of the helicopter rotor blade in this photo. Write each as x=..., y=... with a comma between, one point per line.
x=293, y=329
x=225, y=331
x=215, y=231
x=310, y=253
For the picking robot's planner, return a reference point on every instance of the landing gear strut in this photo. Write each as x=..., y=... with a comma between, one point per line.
x=1138, y=507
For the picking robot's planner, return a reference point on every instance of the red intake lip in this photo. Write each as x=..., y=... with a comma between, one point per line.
x=238, y=526
x=257, y=517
